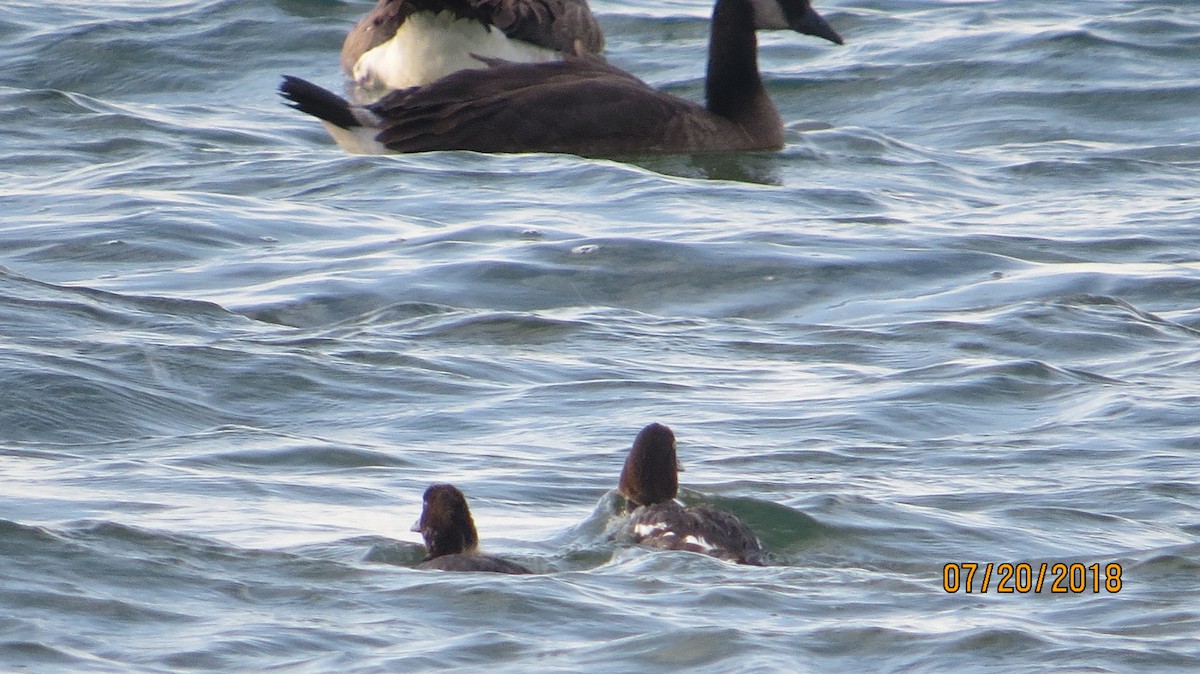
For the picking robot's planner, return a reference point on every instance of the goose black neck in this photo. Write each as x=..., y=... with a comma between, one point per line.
x=733, y=87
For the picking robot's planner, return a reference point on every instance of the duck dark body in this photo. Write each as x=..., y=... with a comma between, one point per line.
x=476, y=561
x=698, y=528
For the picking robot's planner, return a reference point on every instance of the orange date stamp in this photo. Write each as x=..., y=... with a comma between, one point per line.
x=1023, y=578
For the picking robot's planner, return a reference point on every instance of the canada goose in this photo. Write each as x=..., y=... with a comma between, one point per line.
x=408, y=43
x=578, y=105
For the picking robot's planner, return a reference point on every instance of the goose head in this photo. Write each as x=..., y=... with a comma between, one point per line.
x=797, y=15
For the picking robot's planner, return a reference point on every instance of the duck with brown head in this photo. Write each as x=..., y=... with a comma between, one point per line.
x=649, y=480
x=451, y=542
x=578, y=105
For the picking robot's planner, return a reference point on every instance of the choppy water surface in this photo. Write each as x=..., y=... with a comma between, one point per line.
x=957, y=319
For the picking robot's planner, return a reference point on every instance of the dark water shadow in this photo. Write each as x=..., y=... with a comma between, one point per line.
x=759, y=168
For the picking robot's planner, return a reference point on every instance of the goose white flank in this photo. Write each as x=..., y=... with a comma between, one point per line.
x=408, y=43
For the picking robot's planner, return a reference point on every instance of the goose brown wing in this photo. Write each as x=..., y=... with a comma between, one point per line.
x=567, y=26
x=578, y=105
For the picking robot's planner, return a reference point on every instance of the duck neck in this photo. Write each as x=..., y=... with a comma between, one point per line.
x=733, y=88
x=452, y=540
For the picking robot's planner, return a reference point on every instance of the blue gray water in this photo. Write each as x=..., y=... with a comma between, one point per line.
x=956, y=319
